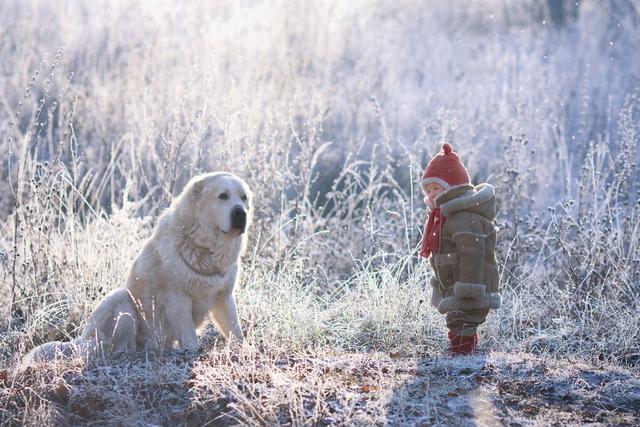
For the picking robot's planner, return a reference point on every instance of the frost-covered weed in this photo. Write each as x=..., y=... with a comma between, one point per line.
x=330, y=112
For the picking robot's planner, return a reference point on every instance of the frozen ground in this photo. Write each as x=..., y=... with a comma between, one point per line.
x=330, y=111
x=266, y=387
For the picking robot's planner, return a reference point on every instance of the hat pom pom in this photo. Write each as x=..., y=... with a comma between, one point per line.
x=446, y=148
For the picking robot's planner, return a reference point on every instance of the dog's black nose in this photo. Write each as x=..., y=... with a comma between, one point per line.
x=239, y=218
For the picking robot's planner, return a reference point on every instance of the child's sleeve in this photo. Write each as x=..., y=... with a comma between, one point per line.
x=436, y=293
x=469, y=290
x=470, y=241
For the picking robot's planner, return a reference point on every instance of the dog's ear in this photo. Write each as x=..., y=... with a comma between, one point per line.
x=195, y=192
x=250, y=196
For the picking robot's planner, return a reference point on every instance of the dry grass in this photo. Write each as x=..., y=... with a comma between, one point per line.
x=330, y=112
x=261, y=385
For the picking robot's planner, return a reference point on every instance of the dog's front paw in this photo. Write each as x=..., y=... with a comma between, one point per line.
x=189, y=343
x=188, y=354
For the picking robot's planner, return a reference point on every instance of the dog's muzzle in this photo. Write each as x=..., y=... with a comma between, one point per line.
x=238, y=219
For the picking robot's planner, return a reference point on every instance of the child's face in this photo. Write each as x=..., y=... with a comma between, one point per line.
x=431, y=191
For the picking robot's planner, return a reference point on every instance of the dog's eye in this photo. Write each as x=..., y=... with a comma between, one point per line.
x=243, y=197
x=223, y=196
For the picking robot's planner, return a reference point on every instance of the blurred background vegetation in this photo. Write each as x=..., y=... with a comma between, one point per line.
x=330, y=110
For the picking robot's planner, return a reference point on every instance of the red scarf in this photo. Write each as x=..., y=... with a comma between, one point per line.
x=431, y=236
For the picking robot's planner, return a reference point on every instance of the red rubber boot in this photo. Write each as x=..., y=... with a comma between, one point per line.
x=463, y=344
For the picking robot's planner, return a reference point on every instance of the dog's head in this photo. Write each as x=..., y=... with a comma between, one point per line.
x=219, y=202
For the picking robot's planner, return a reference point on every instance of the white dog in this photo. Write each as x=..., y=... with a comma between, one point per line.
x=186, y=271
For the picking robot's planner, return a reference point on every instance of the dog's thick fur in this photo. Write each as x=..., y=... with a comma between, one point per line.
x=185, y=272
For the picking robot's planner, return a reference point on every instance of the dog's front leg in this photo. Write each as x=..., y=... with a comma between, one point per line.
x=180, y=320
x=225, y=315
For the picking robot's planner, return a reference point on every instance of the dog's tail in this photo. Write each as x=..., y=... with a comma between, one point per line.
x=111, y=329
x=55, y=350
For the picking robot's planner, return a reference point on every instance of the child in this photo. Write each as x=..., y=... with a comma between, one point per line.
x=459, y=240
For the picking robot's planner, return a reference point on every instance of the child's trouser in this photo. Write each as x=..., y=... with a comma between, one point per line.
x=464, y=323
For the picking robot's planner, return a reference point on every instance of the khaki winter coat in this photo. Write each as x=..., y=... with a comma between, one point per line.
x=466, y=273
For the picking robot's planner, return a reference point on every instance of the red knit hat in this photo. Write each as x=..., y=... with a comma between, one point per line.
x=446, y=169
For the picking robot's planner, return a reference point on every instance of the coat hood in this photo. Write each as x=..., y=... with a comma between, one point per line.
x=480, y=199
